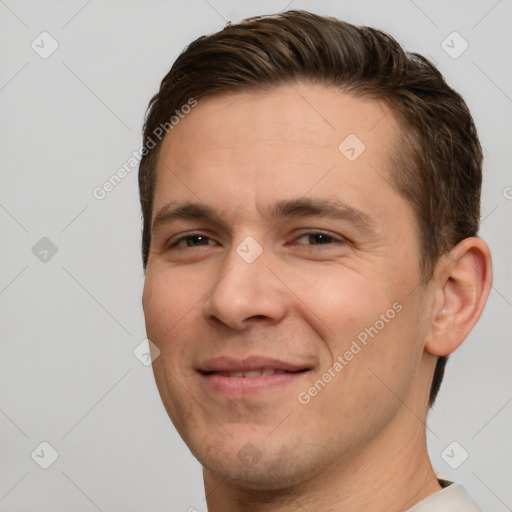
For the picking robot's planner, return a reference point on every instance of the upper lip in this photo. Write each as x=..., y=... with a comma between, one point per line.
x=232, y=364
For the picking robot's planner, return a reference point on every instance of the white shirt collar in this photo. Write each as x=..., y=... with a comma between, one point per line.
x=452, y=498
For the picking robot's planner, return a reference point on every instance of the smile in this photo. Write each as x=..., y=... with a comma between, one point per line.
x=263, y=372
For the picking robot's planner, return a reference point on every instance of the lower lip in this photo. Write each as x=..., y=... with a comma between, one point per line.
x=240, y=387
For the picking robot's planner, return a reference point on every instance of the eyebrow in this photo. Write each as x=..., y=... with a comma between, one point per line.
x=288, y=208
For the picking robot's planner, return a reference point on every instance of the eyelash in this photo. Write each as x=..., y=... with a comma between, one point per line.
x=333, y=239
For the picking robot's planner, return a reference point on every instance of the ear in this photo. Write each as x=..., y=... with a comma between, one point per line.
x=462, y=281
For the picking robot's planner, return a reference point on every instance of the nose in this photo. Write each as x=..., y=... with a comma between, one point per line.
x=245, y=293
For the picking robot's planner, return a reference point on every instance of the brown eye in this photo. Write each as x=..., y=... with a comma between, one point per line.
x=318, y=238
x=192, y=241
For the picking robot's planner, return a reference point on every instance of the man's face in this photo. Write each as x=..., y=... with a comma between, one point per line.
x=297, y=255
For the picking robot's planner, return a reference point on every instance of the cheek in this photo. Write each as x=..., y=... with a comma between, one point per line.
x=370, y=333
x=375, y=326
x=166, y=311
x=169, y=308
x=168, y=300
x=344, y=301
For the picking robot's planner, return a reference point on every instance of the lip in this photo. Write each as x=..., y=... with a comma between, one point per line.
x=212, y=373
x=232, y=364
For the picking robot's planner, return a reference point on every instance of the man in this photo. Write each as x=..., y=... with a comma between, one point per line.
x=310, y=196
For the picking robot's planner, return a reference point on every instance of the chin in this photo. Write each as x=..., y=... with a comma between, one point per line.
x=270, y=476
x=269, y=469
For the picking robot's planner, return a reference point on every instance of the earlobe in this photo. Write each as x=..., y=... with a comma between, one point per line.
x=463, y=281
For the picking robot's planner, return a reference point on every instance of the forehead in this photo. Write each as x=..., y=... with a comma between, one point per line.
x=283, y=142
x=308, y=114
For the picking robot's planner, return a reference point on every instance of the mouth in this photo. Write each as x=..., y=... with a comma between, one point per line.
x=251, y=374
x=255, y=375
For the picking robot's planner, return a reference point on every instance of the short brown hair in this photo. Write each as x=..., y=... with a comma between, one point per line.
x=437, y=168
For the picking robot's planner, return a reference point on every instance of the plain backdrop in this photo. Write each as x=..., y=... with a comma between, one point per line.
x=71, y=274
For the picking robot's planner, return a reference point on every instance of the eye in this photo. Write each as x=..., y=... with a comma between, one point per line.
x=318, y=238
x=311, y=238
x=191, y=241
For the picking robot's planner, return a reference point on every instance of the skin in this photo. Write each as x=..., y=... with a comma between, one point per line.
x=301, y=301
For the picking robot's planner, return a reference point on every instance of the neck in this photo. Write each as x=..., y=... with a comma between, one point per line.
x=392, y=473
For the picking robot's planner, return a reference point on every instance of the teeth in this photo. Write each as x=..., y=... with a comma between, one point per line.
x=254, y=373
x=261, y=372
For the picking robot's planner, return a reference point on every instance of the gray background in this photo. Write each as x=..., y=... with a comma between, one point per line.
x=70, y=323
